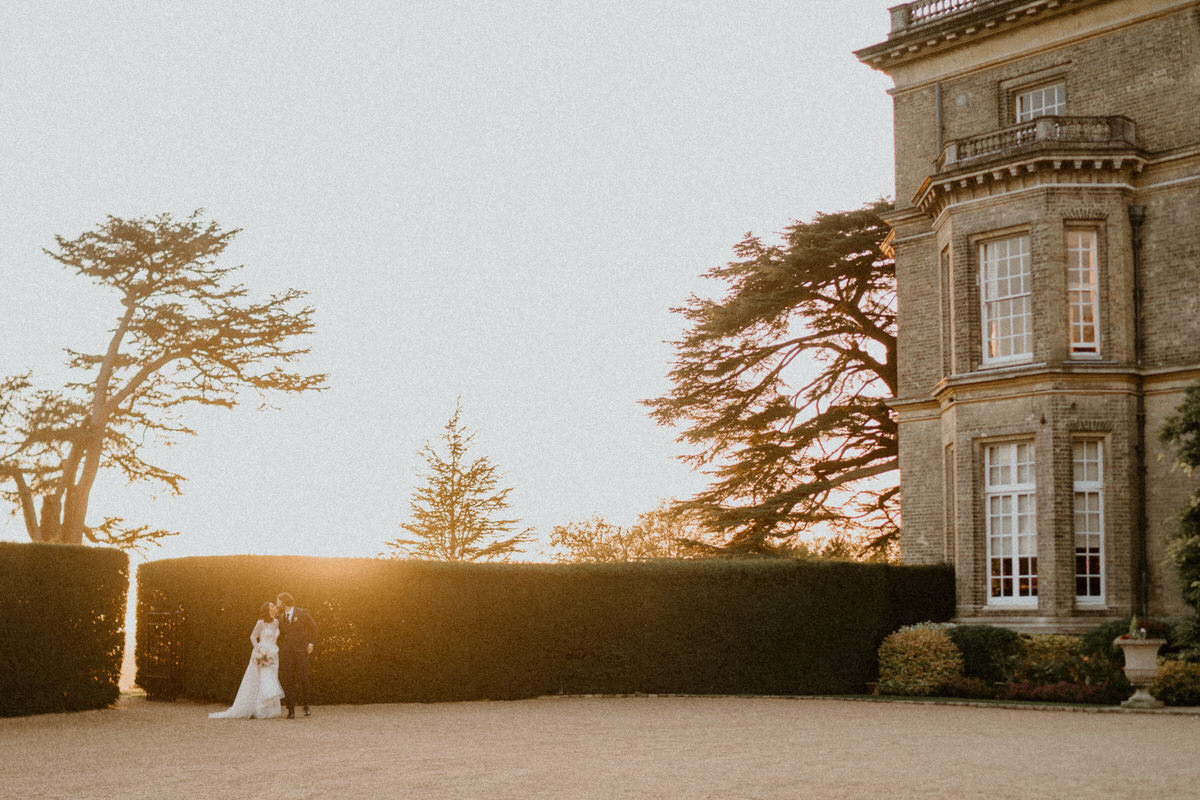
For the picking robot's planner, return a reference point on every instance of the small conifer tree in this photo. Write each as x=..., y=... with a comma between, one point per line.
x=456, y=513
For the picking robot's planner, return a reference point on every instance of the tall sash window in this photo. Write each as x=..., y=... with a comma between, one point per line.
x=1083, y=291
x=1010, y=502
x=1006, y=294
x=1087, y=459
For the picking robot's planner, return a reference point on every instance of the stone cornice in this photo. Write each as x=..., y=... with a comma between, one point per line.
x=902, y=216
x=926, y=26
x=907, y=403
x=1064, y=378
x=1036, y=373
x=1028, y=380
x=1051, y=167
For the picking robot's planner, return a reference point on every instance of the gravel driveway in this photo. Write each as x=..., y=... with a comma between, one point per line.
x=604, y=748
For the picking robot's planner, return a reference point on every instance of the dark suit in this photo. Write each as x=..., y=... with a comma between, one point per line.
x=294, y=638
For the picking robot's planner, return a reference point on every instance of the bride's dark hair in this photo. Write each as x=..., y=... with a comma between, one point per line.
x=264, y=612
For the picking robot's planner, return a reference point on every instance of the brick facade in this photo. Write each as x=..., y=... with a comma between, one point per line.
x=1123, y=133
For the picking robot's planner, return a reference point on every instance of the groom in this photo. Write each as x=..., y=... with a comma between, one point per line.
x=297, y=635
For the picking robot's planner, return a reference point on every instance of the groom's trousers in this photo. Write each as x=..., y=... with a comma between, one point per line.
x=293, y=674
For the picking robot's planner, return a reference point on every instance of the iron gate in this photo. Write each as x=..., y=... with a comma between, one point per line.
x=160, y=672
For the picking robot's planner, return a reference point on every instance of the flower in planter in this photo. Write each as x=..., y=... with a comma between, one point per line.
x=1146, y=628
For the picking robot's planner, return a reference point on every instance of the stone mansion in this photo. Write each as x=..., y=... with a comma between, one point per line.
x=1047, y=245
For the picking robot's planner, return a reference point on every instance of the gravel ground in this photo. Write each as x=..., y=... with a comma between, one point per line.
x=602, y=747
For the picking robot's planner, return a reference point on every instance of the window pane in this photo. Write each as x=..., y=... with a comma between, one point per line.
x=1082, y=290
x=1043, y=101
x=1011, y=521
x=1005, y=278
x=1024, y=457
x=1088, y=473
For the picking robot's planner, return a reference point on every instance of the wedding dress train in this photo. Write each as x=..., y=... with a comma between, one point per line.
x=259, y=694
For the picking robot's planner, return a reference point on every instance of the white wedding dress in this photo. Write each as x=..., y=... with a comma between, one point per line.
x=259, y=695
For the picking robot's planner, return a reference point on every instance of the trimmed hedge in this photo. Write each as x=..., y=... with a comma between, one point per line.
x=397, y=631
x=62, y=627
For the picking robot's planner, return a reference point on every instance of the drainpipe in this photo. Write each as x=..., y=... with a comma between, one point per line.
x=1137, y=215
x=937, y=114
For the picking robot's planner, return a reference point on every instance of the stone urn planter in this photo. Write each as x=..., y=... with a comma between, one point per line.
x=1141, y=668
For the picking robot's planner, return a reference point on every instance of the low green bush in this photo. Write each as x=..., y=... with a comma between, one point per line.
x=1058, y=692
x=1185, y=636
x=1049, y=658
x=1000, y=663
x=968, y=687
x=918, y=660
x=1102, y=662
x=1178, y=683
x=988, y=651
x=1099, y=640
x=62, y=627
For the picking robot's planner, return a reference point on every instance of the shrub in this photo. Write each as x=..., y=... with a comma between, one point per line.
x=1178, y=683
x=1185, y=638
x=969, y=687
x=62, y=624
x=1099, y=640
x=1060, y=692
x=918, y=660
x=988, y=651
x=402, y=631
x=1102, y=662
x=1048, y=658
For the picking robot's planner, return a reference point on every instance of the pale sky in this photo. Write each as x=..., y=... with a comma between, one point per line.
x=498, y=200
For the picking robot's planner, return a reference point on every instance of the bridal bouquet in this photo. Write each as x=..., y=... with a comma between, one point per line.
x=264, y=660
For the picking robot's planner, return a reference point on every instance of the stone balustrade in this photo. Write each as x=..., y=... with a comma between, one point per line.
x=1099, y=131
x=911, y=15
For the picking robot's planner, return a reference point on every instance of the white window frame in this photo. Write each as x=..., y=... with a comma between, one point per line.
x=1006, y=300
x=1046, y=100
x=1087, y=479
x=1010, y=513
x=1083, y=291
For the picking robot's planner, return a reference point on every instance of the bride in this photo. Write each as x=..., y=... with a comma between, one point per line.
x=260, y=692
